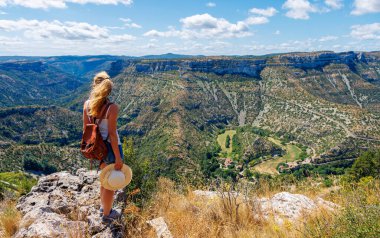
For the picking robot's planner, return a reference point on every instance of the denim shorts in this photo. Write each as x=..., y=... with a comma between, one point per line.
x=110, y=158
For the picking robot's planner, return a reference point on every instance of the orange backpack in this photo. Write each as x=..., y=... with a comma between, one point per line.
x=92, y=144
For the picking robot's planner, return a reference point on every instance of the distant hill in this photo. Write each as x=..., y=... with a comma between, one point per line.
x=324, y=106
x=170, y=56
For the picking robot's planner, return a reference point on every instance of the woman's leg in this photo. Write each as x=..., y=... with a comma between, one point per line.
x=106, y=197
x=107, y=201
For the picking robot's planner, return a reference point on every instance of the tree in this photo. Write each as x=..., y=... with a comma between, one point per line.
x=228, y=141
x=31, y=164
x=143, y=177
x=368, y=164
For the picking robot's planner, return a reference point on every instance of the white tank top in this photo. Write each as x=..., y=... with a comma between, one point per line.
x=103, y=126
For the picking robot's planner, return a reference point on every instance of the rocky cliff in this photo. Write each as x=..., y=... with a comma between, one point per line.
x=252, y=66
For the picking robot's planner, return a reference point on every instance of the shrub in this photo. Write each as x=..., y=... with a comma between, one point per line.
x=368, y=164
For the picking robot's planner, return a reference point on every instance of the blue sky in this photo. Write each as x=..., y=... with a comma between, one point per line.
x=141, y=27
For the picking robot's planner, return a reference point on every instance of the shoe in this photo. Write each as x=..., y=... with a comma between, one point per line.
x=112, y=216
x=101, y=211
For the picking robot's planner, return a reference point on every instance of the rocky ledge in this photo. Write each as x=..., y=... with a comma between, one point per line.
x=65, y=205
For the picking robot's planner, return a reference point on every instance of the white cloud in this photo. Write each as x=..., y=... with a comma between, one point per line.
x=129, y=24
x=366, y=32
x=3, y=13
x=256, y=20
x=366, y=6
x=55, y=29
x=277, y=32
x=211, y=4
x=45, y=4
x=170, y=33
x=35, y=29
x=299, y=9
x=119, y=38
x=334, y=4
x=328, y=38
x=269, y=12
x=207, y=26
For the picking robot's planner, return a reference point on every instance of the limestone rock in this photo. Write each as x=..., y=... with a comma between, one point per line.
x=63, y=205
x=286, y=205
x=160, y=227
x=281, y=206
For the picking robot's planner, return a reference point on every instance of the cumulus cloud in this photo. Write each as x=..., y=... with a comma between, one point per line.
x=366, y=32
x=170, y=33
x=45, y=4
x=268, y=12
x=366, y=6
x=256, y=20
x=211, y=4
x=69, y=30
x=55, y=29
x=207, y=26
x=119, y=38
x=129, y=24
x=328, y=38
x=299, y=9
x=334, y=4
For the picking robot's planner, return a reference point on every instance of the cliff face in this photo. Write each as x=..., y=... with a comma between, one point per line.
x=253, y=66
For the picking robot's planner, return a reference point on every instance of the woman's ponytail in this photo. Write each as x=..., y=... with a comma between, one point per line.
x=101, y=88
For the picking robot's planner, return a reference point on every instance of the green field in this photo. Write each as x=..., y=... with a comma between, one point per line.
x=293, y=153
x=222, y=141
x=16, y=182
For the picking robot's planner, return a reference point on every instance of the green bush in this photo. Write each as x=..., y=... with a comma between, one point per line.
x=144, y=176
x=368, y=164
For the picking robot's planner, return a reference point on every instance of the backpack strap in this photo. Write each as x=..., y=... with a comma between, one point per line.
x=88, y=113
x=102, y=112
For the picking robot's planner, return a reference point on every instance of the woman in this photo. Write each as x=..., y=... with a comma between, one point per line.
x=101, y=89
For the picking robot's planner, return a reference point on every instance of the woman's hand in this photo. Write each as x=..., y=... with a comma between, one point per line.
x=118, y=164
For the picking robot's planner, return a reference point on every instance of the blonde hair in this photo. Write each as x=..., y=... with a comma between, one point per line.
x=101, y=88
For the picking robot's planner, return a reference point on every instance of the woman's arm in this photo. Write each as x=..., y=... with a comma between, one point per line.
x=112, y=126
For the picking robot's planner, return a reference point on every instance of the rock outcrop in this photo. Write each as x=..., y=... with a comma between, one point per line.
x=65, y=205
x=161, y=228
x=281, y=206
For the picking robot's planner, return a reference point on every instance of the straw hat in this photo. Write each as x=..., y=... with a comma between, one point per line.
x=112, y=179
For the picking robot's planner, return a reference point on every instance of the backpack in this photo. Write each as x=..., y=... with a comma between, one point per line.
x=92, y=144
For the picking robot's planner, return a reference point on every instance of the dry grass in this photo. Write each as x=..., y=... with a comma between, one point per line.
x=188, y=215
x=229, y=215
x=9, y=219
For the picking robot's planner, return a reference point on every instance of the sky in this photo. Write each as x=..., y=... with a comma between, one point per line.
x=196, y=27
